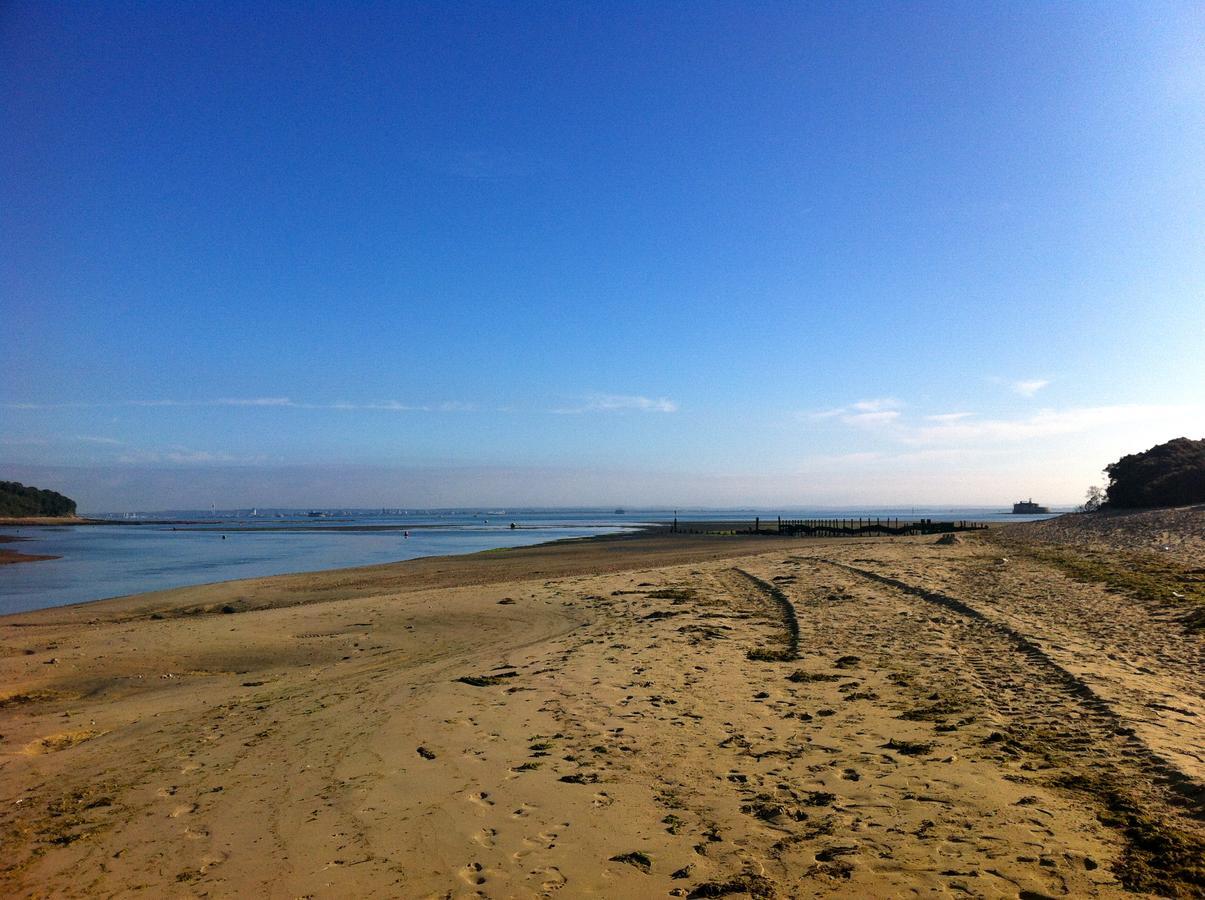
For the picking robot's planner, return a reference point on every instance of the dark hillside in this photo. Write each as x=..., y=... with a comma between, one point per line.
x=1170, y=474
x=18, y=500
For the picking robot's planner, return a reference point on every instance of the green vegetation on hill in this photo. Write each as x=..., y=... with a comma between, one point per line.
x=1170, y=474
x=18, y=500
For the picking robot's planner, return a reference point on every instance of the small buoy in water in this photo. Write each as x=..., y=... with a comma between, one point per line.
x=405, y=534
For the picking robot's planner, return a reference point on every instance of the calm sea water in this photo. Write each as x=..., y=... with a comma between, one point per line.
x=115, y=560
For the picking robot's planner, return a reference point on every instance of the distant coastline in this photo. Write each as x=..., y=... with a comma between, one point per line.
x=28, y=521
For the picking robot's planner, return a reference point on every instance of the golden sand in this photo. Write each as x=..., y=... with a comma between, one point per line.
x=644, y=717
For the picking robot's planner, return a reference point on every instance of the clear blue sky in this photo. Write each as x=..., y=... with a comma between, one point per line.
x=693, y=253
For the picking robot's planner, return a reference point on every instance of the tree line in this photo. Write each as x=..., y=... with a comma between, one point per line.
x=1169, y=474
x=17, y=499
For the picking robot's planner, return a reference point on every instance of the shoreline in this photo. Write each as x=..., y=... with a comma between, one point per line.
x=12, y=557
x=711, y=529
x=41, y=521
x=633, y=715
x=187, y=600
x=9, y=557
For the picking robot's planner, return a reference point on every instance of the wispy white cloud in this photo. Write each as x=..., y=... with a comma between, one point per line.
x=1025, y=387
x=963, y=428
x=621, y=403
x=1029, y=388
x=177, y=455
x=197, y=456
x=872, y=419
x=23, y=442
x=95, y=439
x=1046, y=423
x=861, y=459
x=255, y=402
x=879, y=404
x=876, y=411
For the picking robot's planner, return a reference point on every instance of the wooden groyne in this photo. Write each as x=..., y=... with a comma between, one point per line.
x=865, y=527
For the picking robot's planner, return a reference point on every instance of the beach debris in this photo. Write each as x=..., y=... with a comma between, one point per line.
x=947, y=539
x=425, y=753
x=764, y=654
x=861, y=695
x=934, y=712
x=757, y=886
x=662, y=614
x=635, y=859
x=580, y=778
x=767, y=807
x=847, y=662
x=799, y=676
x=485, y=680
x=831, y=853
x=909, y=748
x=33, y=697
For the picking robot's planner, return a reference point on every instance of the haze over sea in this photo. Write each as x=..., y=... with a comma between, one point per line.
x=154, y=551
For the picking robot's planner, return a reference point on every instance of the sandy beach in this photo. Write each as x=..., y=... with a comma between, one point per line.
x=630, y=717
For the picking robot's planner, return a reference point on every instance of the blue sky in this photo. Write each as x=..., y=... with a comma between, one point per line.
x=640, y=253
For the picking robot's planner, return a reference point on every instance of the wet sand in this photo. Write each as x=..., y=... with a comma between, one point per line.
x=7, y=556
x=635, y=717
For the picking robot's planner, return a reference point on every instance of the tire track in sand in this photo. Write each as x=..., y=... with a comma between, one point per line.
x=1098, y=710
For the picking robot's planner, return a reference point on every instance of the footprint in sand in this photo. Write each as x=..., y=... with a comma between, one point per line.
x=485, y=837
x=473, y=874
x=182, y=810
x=602, y=800
x=553, y=880
x=545, y=840
x=483, y=799
x=523, y=809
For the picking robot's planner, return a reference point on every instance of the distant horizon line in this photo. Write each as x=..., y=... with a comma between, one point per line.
x=605, y=508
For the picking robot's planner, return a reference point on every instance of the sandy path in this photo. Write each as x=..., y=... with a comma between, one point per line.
x=615, y=739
